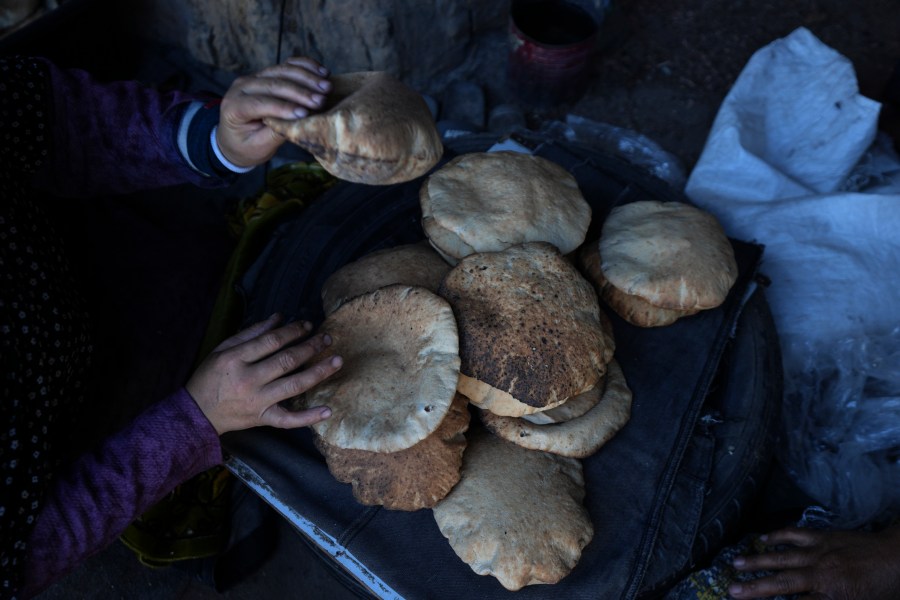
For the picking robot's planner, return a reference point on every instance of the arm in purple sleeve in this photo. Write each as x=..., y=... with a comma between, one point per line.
x=88, y=505
x=119, y=137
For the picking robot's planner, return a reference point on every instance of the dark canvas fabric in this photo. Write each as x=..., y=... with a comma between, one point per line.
x=647, y=489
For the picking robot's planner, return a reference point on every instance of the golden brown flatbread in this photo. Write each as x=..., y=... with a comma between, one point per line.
x=410, y=264
x=488, y=201
x=401, y=365
x=579, y=437
x=418, y=477
x=516, y=514
x=660, y=261
x=531, y=334
x=373, y=130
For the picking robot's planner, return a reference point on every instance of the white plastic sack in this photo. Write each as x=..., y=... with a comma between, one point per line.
x=777, y=156
x=793, y=124
x=790, y=138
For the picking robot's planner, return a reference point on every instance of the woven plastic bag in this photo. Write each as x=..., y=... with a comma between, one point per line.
x=842, y=426
x=794, y=162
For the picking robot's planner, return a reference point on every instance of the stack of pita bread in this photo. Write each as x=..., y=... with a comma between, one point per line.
x=489, y=312
x=397, y=423
x=656, y=262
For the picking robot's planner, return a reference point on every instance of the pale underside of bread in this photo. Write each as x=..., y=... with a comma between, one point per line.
x=516, y=514
x=579, y=437
x=570, y=409
x=373, y=130
x=410, y=479
x=487, y=397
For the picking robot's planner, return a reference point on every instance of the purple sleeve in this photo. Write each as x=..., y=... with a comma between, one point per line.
x=94, y=501
x=111, y=138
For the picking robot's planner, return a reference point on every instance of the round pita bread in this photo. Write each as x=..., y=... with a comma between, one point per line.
x=572, y=408
x=373, y=130
x=670, y=254
x=488, y=201
x=516, y=514
x=579, y=437
x=418, y=477
x=531, y=334
x=401, y=365
x=411, y=264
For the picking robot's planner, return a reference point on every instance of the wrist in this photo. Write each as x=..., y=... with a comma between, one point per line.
x=206, y=406
x=198, y=142
x=220, y=155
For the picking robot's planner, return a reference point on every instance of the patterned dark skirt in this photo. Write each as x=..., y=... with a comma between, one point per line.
x=45, y=345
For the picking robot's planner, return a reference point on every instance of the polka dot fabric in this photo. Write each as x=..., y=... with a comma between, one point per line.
x=44, y=338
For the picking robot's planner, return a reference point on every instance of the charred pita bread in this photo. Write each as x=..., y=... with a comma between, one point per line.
x=659, y=261
x=411, y=264
x=516, y=514
x=373, y=130
x=531, y=335
x=488, y=201
x=570, y=409
x=410, y=479
x=576, y=438
x=401, y=365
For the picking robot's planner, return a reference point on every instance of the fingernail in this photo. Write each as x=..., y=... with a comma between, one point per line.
x=764, y=537
x=317, y=98
x=326, y=339
x=300, y=112
x=325, y=412
x=735, y=589
x=325, y=85
x=323, y=71
x=739, y=561
x=337, y=361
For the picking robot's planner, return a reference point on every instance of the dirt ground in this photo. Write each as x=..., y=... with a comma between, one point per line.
x=664, y=66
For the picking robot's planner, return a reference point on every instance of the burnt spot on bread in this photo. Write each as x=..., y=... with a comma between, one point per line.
x=524, y=331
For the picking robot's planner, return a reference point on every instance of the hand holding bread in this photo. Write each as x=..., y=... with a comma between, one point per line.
x=290, y=90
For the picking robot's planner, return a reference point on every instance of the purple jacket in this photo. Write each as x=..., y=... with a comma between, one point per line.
x=120, y=137
x=109, y=139
x=90, y=504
